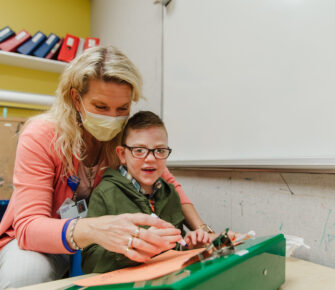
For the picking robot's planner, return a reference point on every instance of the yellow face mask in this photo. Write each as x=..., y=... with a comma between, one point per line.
x=103, y=128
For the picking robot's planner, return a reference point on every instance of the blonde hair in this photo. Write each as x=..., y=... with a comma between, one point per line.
x=107, y=64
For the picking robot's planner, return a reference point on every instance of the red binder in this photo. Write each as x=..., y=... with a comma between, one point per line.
x=91, y=42
x=14, y=42
x=69, y=48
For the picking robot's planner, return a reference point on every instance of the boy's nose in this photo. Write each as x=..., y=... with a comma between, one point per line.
x=150, y=156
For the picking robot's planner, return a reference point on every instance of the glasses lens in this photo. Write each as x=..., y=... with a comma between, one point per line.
x=139, y=152
x=162, y=153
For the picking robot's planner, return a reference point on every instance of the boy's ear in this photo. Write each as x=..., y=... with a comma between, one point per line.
x=120, y=152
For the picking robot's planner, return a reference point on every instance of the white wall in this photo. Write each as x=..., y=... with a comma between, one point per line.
x=135, y=27
x=269, y=203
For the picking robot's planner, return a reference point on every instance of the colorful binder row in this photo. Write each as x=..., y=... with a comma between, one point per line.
x=51, y=47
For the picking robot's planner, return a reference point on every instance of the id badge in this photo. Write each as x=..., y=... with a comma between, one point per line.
x=71, y=209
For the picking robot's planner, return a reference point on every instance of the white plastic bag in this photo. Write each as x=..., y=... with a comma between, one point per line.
x=292, y=243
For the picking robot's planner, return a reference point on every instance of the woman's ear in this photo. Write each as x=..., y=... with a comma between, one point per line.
x=121, y=153
x=75, y=98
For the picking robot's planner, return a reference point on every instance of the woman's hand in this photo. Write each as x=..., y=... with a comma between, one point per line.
x=197, y=238
x=169, y=234
x=121, y=234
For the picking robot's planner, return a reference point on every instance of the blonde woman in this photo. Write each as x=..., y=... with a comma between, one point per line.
x=61, y=157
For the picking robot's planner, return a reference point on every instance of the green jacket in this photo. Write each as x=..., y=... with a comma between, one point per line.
x=117, y=195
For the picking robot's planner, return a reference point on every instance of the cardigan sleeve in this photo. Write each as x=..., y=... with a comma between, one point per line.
x=33, y=180
x=170, y=179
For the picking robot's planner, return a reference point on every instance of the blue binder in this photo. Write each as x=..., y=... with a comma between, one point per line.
x=29, y=46
x=45, y=47
x=5, y=33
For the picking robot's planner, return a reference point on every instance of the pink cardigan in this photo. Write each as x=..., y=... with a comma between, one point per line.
x=39, y=191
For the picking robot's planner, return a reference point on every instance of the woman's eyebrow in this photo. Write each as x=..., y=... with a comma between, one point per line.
x=97, y=100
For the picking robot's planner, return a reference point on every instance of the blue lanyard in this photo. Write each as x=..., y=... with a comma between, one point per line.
x=73, y=182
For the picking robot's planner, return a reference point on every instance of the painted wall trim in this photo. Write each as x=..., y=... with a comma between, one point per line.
x=305, y=163
x=26, y=98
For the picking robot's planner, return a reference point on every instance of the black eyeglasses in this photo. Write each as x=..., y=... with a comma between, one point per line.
x=142, y=152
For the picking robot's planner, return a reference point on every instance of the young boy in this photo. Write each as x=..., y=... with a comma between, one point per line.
x=137, y=187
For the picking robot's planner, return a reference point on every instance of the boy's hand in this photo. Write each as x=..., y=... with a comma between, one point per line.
x=233, y=235
x=197, y=238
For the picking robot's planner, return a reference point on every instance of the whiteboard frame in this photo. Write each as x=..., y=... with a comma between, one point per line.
x=291, y=164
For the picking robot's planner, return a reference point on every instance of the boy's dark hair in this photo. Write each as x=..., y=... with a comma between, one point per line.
x=142, y=120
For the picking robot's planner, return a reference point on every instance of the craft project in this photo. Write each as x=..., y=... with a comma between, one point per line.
x=160, y=265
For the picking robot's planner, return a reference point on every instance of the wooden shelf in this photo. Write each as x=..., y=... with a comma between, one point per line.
x=32, y=62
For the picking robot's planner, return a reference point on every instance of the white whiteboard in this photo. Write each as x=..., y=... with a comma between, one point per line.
x=250, y=82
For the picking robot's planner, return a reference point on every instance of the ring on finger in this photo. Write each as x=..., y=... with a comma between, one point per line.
x=136, y=234
x=130, y=241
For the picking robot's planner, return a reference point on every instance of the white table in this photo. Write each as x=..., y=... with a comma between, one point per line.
x=300, y=275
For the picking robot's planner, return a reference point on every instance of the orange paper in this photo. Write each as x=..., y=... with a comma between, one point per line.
x=158, y=266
